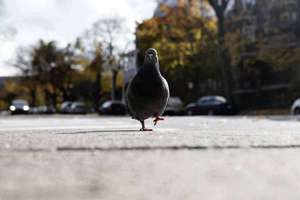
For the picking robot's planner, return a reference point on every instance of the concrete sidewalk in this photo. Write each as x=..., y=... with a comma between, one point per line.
x=89, y=157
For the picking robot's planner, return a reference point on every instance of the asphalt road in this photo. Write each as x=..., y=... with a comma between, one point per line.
x=91, y=157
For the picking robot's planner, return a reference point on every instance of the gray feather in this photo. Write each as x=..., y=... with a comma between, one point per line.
x=148, y=92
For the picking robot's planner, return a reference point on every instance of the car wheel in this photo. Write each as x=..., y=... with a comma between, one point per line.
x=190, y=113
x=297, y=111
x=210, y=112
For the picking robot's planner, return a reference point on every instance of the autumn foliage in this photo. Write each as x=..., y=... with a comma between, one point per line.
x=186, y=44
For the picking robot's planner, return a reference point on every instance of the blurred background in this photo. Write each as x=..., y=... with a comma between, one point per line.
x=220, y=57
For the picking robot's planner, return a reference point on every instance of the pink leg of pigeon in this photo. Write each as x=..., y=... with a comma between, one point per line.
x=143, y=126
x=157, y=119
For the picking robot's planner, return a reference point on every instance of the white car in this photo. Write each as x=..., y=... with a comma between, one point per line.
x=174, y=107
x=295, y=110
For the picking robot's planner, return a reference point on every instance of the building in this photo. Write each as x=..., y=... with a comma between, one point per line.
x=272, y=19
x=129, y=67
x=242, y=17
x=129, y=63
x=2, y=80
x=193, y=7
x=274, y=25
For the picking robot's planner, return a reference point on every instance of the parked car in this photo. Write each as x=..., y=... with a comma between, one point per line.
x=295, y=110
x=78, y=108
x=174, y=107
x=43, y=110
x=211, y=105
x=65, y=107
x=112, y=108
x=19, y=106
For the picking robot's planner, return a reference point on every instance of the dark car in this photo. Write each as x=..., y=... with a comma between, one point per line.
x=113, y=108
x=19, y=106
x=65, y=107
x=211, y=105
x=78, y=108
x=174, y=107
x=43, y=110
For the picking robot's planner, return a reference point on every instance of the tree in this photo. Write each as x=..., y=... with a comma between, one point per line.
x=108, y=32
x=220, y=7
x=43, y=63
x=47, y=68
x=29, y=81
x=250, y=43
x=186, y=46
x=95, y=69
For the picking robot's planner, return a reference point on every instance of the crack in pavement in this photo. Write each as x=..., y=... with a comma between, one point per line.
x=149, y=148
x=183, y=147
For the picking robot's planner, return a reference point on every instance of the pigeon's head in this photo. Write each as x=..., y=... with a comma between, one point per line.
x=151, y=56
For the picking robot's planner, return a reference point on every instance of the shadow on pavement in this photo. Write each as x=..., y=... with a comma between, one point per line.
x=283, y=118
x=101, y=131
x=180, y=147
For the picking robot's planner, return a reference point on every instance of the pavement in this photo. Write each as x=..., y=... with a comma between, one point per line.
x=92, y=157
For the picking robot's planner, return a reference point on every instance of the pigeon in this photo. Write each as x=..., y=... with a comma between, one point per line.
x=148, y=92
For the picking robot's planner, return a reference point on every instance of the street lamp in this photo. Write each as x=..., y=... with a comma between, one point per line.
x=114, y=70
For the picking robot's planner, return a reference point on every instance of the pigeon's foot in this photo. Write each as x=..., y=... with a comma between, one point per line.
x=157, y=119
x=146, y=129
x=143, y=126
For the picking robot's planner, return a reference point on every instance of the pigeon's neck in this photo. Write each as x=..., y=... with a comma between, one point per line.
x=152, y=68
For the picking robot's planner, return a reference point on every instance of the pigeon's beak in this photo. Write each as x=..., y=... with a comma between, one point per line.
x=150, y=56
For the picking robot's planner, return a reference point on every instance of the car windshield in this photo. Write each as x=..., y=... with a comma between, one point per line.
x=65, y=104
x=78, y=104
x=212, y=99
x=174, y=101
x=220, y=99
x=106, y=104
x=20, y=102
x=117, y=103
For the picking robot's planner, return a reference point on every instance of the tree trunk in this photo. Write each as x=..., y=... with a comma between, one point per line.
x=54, y=100
x=33, y=97
x=65, y=95
x=97, y=91
x=114, y=84
x=224, y=64
x=47, y=96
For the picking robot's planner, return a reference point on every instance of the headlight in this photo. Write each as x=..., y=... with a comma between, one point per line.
x=25, y=108
x=12, y=108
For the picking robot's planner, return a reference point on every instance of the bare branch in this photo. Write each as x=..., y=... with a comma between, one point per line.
x=108, y=32
x=219, y=5
x=213, y=3
x=225, y=4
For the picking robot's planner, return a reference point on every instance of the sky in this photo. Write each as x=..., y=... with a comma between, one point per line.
x=27, y=21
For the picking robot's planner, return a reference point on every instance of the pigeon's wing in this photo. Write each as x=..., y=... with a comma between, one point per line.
x=165, y=95
x=134, y=96
x=166, y=87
